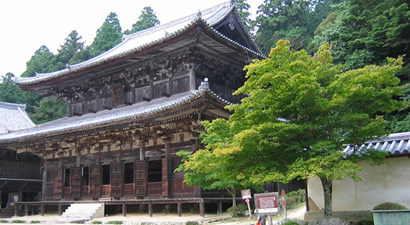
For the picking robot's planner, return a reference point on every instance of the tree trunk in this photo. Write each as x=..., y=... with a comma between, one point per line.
x=327, y=190
x=232, y=192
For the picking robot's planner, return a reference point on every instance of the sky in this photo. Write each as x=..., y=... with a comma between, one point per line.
x=26, y=25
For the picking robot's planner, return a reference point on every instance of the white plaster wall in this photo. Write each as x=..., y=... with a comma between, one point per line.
x=387, y=182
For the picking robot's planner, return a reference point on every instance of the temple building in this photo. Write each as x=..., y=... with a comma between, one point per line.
x=19, y=173
x=132, y=108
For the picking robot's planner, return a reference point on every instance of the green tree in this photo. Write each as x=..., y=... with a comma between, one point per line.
x=40, y=62
x=363, y=33
x=146, y=20
x=211, y=168
x=49, y=109
x=71, y=47
x=289, y=19
x=243, y=9
x=108, y=35
x=298, y=113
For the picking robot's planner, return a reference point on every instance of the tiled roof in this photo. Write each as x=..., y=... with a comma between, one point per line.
x=108, y=117
x=146, y=38
x=13, y=117
x=394, y=144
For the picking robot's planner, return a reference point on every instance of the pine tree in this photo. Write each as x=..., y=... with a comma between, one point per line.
x=108, y=35
x=71, y=47
x=146, y=20
x=40, y=62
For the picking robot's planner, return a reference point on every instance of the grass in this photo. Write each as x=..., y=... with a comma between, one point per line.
x=115, y=222
x=96, y=222
x=18, y=221
x=4, y=221
x=34, y=221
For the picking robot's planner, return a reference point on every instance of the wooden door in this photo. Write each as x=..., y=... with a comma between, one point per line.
x=140, y=178
x=58, y=184
x=75, y=182
x=165, y=177
x=116, y=181
x=95, y=181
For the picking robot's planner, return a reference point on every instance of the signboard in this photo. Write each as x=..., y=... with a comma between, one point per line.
x=267, y=203
x=246, y=194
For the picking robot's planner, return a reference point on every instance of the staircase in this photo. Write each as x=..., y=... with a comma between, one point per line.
x=79, y=213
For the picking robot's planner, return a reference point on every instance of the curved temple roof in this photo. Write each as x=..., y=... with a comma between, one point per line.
x=146, y=38
x=108, y=117
x=394, y=144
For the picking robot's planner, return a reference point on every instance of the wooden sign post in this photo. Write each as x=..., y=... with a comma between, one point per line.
x=267, y=204
x=246, y=195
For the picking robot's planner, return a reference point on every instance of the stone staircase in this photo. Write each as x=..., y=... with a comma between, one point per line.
x=82, y=212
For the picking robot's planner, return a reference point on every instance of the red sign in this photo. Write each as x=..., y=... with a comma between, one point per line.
x=267, y=203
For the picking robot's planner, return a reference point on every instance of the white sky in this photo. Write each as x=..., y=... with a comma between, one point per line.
x=25, y=25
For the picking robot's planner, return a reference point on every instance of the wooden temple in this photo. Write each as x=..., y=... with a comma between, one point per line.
x=132, y=108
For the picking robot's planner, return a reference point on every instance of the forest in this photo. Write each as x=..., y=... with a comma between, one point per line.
x=359, y=33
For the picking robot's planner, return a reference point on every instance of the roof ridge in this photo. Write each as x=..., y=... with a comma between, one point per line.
x=191, y=17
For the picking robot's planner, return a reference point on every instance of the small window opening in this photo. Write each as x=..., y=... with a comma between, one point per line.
x=155, y=171
x=128, y=173
x=66, y=177
x=106, y=174
x=84, y=175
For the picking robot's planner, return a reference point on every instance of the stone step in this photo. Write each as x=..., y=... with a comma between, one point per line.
x=77, y=213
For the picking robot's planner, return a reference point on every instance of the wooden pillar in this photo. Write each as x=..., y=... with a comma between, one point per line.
x=150, y=209
x=42, y=209
x=179, y=208
x=25, y=210
x=60, y=210
x=201, y=208
x=219, y=208
x=44, y=184
x=16, y=209
x=165, y=172
x=124, y=210
x=192, y=78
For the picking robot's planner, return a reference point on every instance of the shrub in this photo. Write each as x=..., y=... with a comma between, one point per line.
x=239, y=210
x=294, y=198
x=34, y=221
x=4, y=221
x=290, y=222
x=389, y=206
x=96, y=222
x=18, y=221
x=115, y=222
x=332, y=221
x=192, y=223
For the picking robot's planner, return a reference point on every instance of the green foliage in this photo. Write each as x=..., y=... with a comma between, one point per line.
x=298, y=113
x=192, y=223
x=146, y=20
x=72, y=48
x=18, y=221
x=292, y=20
x=243, y=9
x=290, y=222
x=389, y=206
x=114, y=222
x=295, y=198
x=238, y=210
x=96, y=222
x=108, y=35
x=34, y=221
x=49, y=109
x=4, y=221
x=40, y=62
